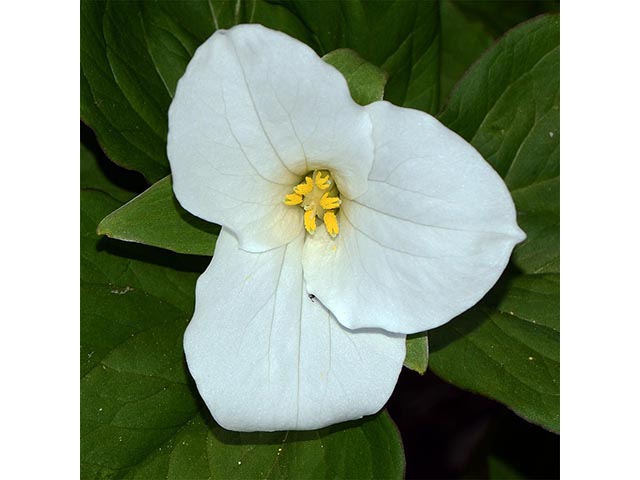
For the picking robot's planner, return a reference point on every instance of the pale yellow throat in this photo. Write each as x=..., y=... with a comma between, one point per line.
x=319, y=197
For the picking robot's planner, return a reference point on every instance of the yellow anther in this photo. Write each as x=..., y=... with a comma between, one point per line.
x=293, y=199
x=310, y=220
x=331, y=223
x=329, y=203
x=312, y=195
x=323, y=182
x=304, y=188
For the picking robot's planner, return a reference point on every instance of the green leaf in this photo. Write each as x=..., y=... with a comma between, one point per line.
x=463, y=41
x=417, y=357
x=124, y=133
x=507, y=347
x=498, y=17
x=141, y=416
x=364, y=449
x=93, y=175
x=133, y=53
x=366, y=81
x=156, y=218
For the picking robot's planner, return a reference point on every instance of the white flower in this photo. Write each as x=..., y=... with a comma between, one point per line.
x=301, y=317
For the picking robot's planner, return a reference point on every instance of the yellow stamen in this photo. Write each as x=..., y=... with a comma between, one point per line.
x=331, y=223
x=323, y=182
x=293, y=199
x=319, y=197
x=304, y=188
x=329, y=203
x=310, y=220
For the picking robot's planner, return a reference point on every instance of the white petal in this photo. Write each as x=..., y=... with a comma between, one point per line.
x=428, y=239
x=267, y=357
x=254, y=112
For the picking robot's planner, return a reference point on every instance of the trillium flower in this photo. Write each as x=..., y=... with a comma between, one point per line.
x=344, y=229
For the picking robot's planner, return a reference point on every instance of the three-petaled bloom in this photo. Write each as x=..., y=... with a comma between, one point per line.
x=344, y=229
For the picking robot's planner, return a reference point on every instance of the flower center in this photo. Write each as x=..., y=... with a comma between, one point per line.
x=319, y=197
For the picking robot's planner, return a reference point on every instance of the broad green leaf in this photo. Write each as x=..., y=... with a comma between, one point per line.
x=366, y=81
x=141, y=416
x=463, y=41
x=507, y=347
x=93, y=176
x=123, y=132
x=133, y=53
x=156, y=218
x=417, y=357
x=499, y=16
x=469, y=27
x=368, y=448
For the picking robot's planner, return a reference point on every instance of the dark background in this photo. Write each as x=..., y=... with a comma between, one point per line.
x=451, y=433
